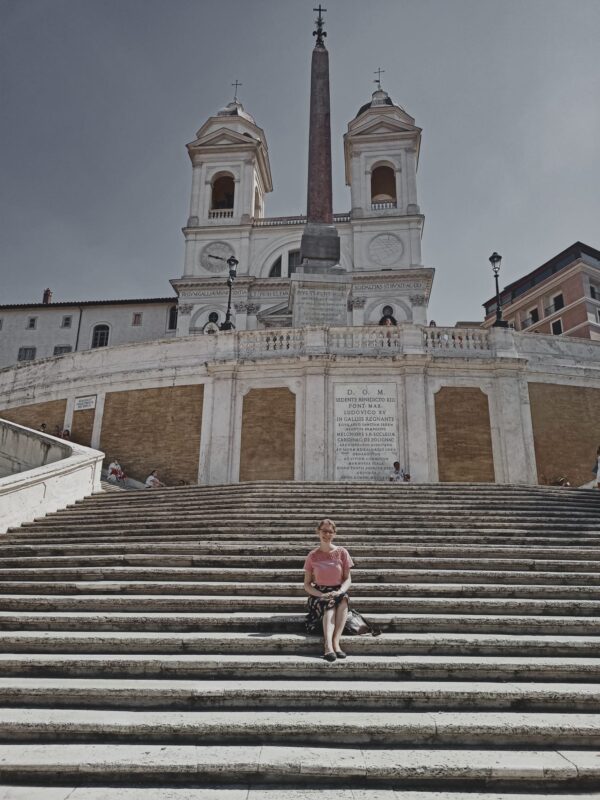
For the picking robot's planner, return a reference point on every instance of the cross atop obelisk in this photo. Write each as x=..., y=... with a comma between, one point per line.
x=320, y=246
x=319, y=22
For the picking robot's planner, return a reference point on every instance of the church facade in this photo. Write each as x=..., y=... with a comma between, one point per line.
x=364, y=383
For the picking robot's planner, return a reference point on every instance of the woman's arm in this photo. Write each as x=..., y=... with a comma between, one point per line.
x=346, y=584
x=308, y=588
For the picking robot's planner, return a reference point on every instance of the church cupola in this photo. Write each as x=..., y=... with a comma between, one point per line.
x=231, y=171
x=381, y=150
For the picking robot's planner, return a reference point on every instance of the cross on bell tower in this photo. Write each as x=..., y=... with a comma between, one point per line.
x=377, y=80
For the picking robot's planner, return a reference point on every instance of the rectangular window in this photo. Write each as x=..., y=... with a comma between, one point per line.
x=0, y=323
x=31, y=323
x=66, y=322
x=26, y=354
x=137, y=318
x=60, y=349
x=558, y=302
x=534, y=315
x=172, y=321
x=557, y=327
x=594, y=293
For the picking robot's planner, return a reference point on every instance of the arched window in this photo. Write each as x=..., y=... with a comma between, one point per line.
x=383, y=187
x=100, y=336
x=285, y=265
x=223, y=190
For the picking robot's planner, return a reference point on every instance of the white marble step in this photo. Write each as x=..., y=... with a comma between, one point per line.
x=339, y=728
x=246, y=792
x=136, y=641
x=431, y=695
x=268, y=763
x=360, y=667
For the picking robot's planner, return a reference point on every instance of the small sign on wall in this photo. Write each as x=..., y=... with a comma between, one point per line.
x=85, y=403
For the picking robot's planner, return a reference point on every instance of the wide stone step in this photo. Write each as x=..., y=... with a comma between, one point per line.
x=153, y=764
x=233, y=603
x=416, y=537
x=103, y=693
x=249, y=792
x=259, y=575
x=295, y=561
x=265, y=621
x=291, y=667
x=295, y=643
x=267, y=589
x=298, y=549
x=332, y=728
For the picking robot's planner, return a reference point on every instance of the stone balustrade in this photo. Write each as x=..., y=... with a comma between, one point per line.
x=269, y=222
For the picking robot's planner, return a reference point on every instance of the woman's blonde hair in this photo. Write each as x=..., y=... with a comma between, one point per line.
x=327, y=520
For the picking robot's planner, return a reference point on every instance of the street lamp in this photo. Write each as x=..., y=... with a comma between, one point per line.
x=495, y=260
x=232, y=263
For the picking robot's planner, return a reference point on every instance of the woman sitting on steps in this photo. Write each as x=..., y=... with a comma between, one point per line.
x=326, y=581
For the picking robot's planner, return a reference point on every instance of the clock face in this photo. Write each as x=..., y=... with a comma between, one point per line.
x=386, y=249
x=221, y=249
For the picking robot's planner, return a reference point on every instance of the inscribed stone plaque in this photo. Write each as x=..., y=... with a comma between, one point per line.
x=366, y=431
x=320, y=305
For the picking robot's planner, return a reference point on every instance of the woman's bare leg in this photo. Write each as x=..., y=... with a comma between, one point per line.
x=341, y=615
x=328, y=628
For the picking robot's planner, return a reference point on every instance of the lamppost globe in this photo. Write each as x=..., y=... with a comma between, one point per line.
x=495, y=260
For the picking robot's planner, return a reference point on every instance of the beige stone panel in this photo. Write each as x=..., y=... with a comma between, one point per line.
x=566, y=431
x=464, y=438
x=82, y=425
x=268, y=435
x=32, y=416
x=150, y=429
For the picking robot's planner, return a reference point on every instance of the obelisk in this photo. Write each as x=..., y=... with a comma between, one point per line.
x=320, y=247
x=319, y=290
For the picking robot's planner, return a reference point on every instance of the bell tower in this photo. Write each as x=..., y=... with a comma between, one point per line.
x=381, y=153
x=231, y=172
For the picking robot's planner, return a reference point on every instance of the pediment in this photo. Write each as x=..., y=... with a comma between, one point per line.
x=379, y=126
x=223, y=137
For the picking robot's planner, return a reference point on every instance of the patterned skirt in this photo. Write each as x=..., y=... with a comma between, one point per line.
x=318, y=605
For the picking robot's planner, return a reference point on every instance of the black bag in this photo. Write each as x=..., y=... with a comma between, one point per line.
x=357, y=625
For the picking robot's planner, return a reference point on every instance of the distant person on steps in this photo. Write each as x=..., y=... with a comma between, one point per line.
x=326, y=582
x=152, y=481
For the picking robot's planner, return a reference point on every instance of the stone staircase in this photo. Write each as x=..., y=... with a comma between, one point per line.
x=151, y=646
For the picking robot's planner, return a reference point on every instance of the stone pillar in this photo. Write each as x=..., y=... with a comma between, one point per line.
x=513, y=419
x=218, y=428
x=98, y=417
x=315, y=430
x=417, y=428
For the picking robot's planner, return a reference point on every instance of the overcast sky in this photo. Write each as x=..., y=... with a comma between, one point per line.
x=99, y=97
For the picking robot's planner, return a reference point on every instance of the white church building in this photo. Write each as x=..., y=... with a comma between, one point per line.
x=362, y=382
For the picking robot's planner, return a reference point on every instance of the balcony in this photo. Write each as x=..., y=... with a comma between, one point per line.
x=557, y=305
x=221, y=213
x=385, y=206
